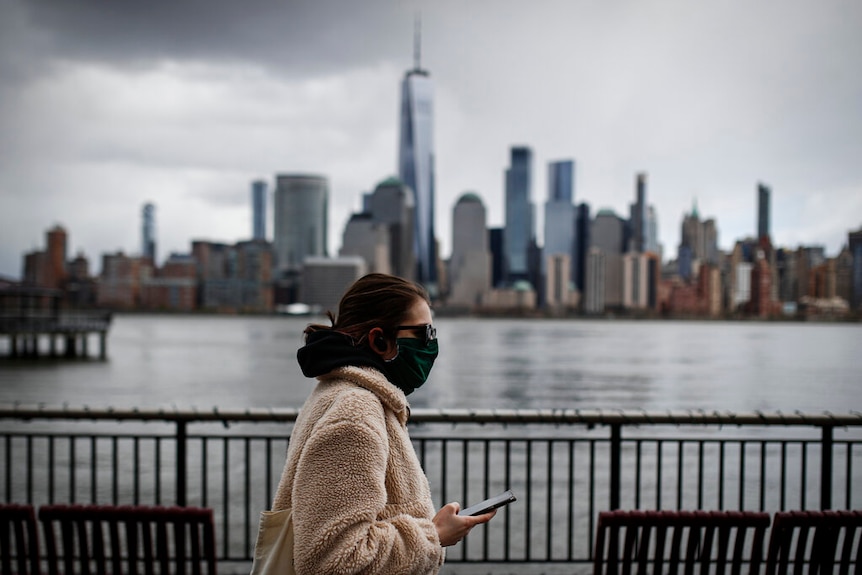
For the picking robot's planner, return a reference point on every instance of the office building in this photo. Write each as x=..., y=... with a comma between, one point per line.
x=808, y=258
x=470, y=262
x=173, y=286
x=763, y=193
x=366, y=238
x=519, y=227
x=582, y=244
x=698, y=243
x=324, y=280
x=234, y=277
x=710, y=242
x=638, y=216
x=48, y=268
x=641, y=272
x=393, y=204
x=416, y=164
x=498, y=257
x=844, y=275
x=301, y=214
x=786, y=275
x=148, y=232
x=560, y=215
x=594, y=288
x=760, y=287
x=258, y=210
x=854, y=244
x=559, y=292
x=56, y=239
x=652, y=243
x=608, y=234
x=121, y=280
x=561, y=181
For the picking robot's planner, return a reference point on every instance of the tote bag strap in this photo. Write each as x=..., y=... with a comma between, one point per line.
x=273, y=549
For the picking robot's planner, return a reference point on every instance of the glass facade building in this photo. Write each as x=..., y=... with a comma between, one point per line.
x=258, y=211
x=763, y=193
x=639, y=216
x=519, y=214
x=148, y=231
x=560, y=214
x=416, y=167
x=301, y=208
x=561, y=181
x=854, y=241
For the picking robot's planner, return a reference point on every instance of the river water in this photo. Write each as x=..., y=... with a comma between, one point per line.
x=189, y=361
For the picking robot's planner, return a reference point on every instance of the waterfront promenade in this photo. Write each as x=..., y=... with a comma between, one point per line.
x=564, y=465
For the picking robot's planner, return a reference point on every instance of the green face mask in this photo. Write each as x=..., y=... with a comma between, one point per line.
x=410, y=368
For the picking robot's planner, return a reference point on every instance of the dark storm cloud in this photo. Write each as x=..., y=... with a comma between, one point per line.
x=309, y=37
x=111, y=103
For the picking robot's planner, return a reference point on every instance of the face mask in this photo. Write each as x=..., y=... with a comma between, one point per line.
x=410, y=368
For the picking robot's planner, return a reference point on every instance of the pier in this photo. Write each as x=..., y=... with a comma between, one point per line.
x=30, y=315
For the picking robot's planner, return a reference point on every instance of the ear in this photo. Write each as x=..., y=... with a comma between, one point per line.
x=380, y=344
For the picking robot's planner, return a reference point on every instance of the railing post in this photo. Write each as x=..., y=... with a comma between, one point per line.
x=181, y=462
x=616, y=465
x=826, y=468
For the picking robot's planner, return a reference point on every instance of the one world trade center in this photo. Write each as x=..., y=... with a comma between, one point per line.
x=416, y=164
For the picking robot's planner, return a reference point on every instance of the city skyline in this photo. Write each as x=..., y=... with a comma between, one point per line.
x=104, y=110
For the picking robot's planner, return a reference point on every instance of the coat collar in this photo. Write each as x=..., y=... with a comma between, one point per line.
x=371, y=379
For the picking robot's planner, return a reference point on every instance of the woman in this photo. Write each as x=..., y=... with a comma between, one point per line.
x=361, y=502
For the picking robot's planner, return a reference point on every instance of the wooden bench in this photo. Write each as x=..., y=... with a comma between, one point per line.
x=19, y=539
x=658, y=542
x=151, y=540
x=818, y=541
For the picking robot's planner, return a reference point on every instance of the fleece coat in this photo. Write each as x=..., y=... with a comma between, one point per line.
x=361, y=502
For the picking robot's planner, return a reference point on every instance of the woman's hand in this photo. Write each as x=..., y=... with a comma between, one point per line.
x=452, y=528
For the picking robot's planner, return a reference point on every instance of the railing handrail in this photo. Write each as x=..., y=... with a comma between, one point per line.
x=420, y=415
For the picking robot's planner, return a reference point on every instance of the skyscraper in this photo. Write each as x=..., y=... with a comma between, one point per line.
x=301, y=212
x=652, y=243
x=393, y=204
x=608, y=236
x=561, y=181
x=148, y=232
x=519, y=214
x=258, y=211
x=416, y=162
x=854, y=242
x=560, y=214
x=582, y=244
x=639, y=216
x=470, y=264
x=763, y=193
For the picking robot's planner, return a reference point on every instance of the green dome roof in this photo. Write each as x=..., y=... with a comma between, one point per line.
x=391, y=181
x=470, y=197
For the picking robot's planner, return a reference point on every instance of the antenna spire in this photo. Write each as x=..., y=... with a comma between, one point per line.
x=417, y=42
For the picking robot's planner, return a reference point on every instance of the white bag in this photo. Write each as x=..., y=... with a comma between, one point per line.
x=273, y=550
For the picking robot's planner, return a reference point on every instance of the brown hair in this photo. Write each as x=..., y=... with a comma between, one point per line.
x=374, y=300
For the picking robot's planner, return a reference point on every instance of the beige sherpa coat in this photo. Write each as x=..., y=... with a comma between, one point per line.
x=361, y=502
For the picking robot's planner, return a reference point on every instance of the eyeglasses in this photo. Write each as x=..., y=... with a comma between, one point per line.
x=429, y=331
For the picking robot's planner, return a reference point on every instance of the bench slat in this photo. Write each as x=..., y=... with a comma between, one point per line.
x=670, y=542
x=111, y=540
x=19, y=540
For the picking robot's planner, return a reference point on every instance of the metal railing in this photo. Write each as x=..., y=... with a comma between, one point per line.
x=565, y=466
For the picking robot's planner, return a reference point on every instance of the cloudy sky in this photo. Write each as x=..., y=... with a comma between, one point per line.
x=105, y=105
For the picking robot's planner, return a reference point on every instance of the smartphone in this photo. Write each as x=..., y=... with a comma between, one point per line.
x=493, y=503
